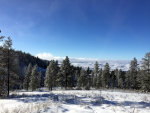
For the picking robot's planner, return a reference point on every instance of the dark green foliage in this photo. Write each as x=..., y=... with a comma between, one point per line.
x=127, y=80
x=10, y=64
x=133, y=71
x=83, y=80
x=95, y=72
x=120, y=78
x=112, y=79
x=40, y=79
x=51, y=74
x=26, y=82
x=89, y=79
x=96, y=69
x=106, y=76
x=2, y=72
x=99, y=79
x=145, y=73
x=65, y=70
x=34, y=81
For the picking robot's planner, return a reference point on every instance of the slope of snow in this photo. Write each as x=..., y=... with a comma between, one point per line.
x=75, y=101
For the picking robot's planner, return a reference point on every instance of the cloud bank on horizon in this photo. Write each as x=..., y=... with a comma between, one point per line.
x=88, y=62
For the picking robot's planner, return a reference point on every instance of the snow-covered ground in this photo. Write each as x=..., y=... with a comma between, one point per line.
x=75, y=101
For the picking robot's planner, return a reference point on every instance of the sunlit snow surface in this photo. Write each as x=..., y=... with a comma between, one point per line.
x=75, y=101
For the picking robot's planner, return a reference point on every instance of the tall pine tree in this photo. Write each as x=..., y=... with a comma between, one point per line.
x=145, y=83
x=96, y=71
x=106, y=76
x=65, y=72
x=133, y=73
x=7, y=60
x=51, y=74
x=34, y=78
x=2, y=72
x=28, y=71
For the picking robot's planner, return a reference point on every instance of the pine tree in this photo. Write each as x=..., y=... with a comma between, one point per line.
x=99, y=79
x=65, y=72
x=60, y=79
x=15, y=73
x=93, y=80
x=145, y=80
x=3, y=91
x=106, y=76
x=139, y=79
x=28, y=71
x=120, y=78
x=133, y=73
x=51, y=73
x=96, y=71
x=56, y=67
x=2, y=72
x=89, y=79
x=40, y=79
x=7, y=60
x=9, y=66
x=127, y=80
x=34, y=78
x=77, y=75
x=112, y=79
x=82, y=81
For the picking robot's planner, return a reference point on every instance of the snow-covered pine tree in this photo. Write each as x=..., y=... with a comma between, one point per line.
x=99, y=79
x=120, y=78
x=89, y=78
x=96, y=70
x=57, y=68
x=34, y=78
x=26, y=81
x=113, y=79
x=7, y=59
x=145, y=80
x=40, y=79
x=51, y=73
x=106, y=76
x=82, y=81
x=133, y=73
x=93, y=81
x=127, y=80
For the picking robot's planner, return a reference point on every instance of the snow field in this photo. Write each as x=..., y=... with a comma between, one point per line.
x=76, y=101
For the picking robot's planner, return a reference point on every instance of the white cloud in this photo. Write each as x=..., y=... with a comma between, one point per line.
x=88, y=62
x=48, y=56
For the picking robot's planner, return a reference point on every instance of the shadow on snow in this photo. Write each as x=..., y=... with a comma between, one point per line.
x=76, y=100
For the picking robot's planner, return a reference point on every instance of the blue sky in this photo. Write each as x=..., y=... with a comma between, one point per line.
x=104, y=29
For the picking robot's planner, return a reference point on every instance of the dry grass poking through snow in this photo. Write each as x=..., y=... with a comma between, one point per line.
x=30, y=108
x=76, y=101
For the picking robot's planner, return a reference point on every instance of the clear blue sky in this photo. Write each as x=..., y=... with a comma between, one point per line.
x=104, y=29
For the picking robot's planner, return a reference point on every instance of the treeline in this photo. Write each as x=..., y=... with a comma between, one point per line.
x=67, y=76
x=13, y=65
x=19, y=70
